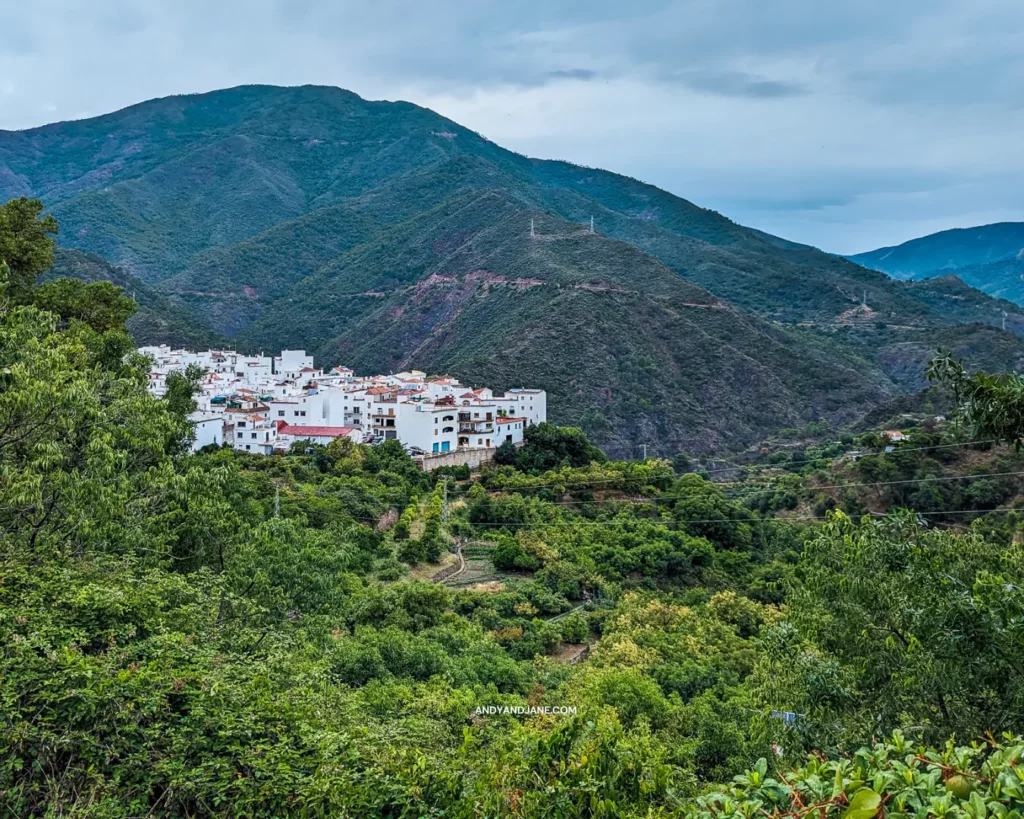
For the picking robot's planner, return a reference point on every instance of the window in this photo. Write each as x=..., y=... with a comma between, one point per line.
x=448, y=418
x=435, y=447
x=448, y=429
x=280, y=413
x=253, y=437
x=241, y=424
x=247, y=446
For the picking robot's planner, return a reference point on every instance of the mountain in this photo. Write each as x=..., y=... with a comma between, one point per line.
x=1003, y=279
x=380, y=234
x=947, y=250
x=989, y=258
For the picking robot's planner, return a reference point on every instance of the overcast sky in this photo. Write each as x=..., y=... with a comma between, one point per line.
x=847, y=124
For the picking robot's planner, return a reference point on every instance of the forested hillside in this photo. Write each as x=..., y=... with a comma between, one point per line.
x=333, y=632
x=157, y=320
x=381, y=234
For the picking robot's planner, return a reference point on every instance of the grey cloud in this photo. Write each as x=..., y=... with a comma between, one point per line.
x=584, y=74
x=736, y=84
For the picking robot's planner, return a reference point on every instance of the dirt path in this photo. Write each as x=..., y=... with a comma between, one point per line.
x=450, y=573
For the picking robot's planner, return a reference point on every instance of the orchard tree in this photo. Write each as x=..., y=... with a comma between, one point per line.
x=927, y=627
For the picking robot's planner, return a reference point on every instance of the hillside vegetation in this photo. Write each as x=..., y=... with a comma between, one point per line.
x=625, y=347
x=157, y=319
x=222, y=635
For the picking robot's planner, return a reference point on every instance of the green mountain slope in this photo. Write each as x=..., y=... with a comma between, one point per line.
x=170, y=178
x=947, y=250
x=157, y=321
x=230, y=286
x=157, y=186
x=1003, y=279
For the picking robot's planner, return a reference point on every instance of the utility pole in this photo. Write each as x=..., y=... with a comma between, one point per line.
x=645, y=451
x=1004, y=319
x=591, y=224
x=865, y=302
x=531, y=228
x=444, y=501
x=277, y=501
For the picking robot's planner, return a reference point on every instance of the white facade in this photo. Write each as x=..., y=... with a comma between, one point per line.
x=511, y=430
x=209, y=429
x=323, y=435
x=254, y=433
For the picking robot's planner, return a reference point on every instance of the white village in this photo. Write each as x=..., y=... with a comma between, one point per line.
x=263, y=404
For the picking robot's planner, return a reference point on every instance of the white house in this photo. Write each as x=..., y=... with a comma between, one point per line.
x=510, y=430
x=254, y=433
x=530, y=404
x=287, y=434
x=209, y=429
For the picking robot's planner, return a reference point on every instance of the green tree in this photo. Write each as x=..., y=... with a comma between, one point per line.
x=26, y=242
x=182, y=387
x=101, y=305
x=992, y=406
x=547, y=446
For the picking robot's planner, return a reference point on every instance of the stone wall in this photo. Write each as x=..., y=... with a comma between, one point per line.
x=473, y=458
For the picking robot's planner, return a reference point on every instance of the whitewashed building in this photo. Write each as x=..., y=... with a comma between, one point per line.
x=287, y=434
x=209, y=429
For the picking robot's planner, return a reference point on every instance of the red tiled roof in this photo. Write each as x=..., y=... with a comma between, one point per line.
x=467, y=395
x=508, y=420
x=378, y=390
x=313, y=432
